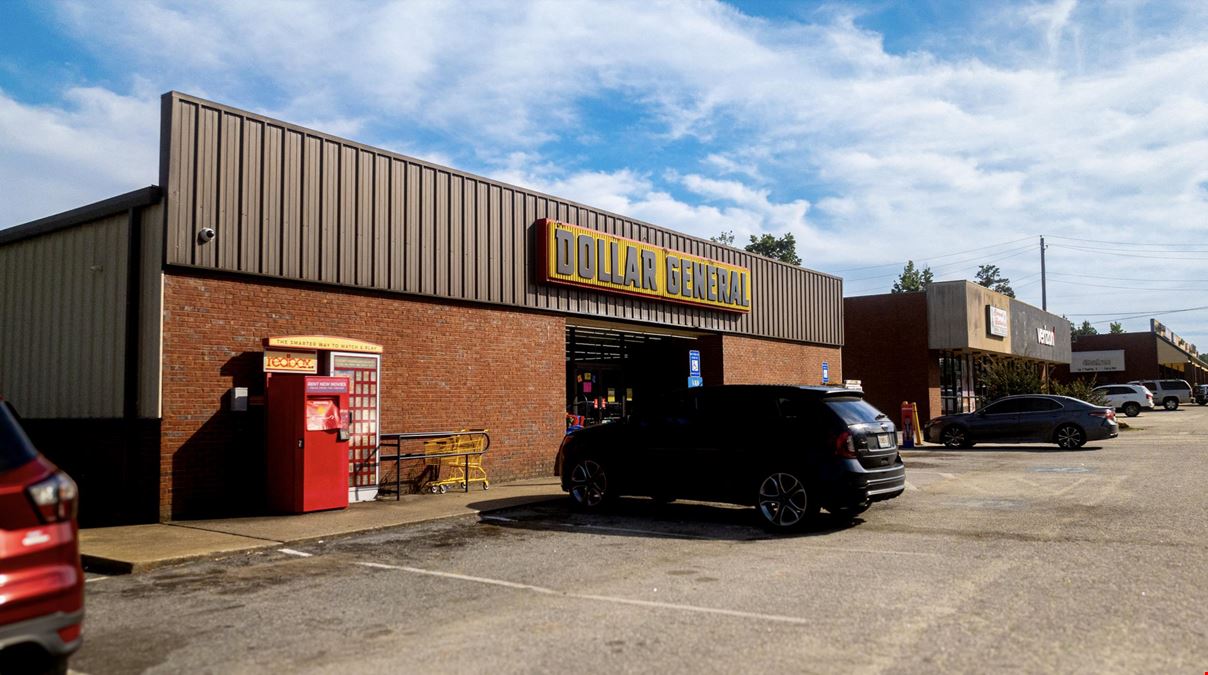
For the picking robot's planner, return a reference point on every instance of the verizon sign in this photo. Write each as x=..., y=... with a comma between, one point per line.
x=1110, y=360
x=1046, y=336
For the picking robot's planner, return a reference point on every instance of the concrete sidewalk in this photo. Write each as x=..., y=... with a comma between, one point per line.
x=136, y=548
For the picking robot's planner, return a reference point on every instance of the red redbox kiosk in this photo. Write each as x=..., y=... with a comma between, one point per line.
x=307, y=442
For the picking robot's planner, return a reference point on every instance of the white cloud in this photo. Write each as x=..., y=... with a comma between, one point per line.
x=95, y=145
x=1083, y=120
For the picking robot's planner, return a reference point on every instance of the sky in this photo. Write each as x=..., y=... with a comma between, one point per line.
x=950, y=133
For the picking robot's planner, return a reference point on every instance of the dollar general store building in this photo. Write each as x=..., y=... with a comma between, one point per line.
x=131, y=329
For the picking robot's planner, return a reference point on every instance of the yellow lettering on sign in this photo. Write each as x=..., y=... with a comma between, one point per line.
x=578, y=256
x=323, y=342
x=276, y=361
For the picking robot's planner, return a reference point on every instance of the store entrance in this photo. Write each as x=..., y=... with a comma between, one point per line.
x=611, y=372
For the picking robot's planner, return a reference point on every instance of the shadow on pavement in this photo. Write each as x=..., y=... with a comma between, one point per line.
x=639, y=517
x=1046, y=449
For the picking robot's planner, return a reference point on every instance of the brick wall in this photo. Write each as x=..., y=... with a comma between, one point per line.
x=887, y=351
x=444, y=367
x=1140, y=358
x=758, y=361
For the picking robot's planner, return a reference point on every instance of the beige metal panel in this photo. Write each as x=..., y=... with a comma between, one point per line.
x=310, y=214
x=363, y=260
x=482, y=267
x=227, y=245
x=494, y=223
x=398, y=218
x=347, y=224
x=270, y=221
x=249, y=204
x=206, y=204
x=441, y=244
x=63, y=320
x=469, y=237
x=381, y=222
x=457, y=283
x=427, y=232
x=291, y=204
x=329, y=200
x=151, y=303
x=410, y=243
x=180, y=187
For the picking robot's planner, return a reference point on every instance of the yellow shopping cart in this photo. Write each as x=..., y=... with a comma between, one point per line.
x=457, y=460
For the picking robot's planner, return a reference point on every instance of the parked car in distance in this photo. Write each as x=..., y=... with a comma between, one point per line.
x=1168, y=393
x=41, y=582
x=1129, y=398
x=786, y=450
x=1026, y=418
x=1201, y=394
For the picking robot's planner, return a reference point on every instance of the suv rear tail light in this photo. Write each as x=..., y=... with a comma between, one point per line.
x=55, y=498
x=845, y=446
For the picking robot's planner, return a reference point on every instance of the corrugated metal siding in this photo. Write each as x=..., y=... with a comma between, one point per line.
x=290, y=202
x=151, y=312
x=62, y=320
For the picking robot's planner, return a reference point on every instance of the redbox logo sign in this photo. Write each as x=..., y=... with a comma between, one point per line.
x=290, y=362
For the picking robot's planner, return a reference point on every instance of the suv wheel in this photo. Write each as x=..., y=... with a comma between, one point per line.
x=1069, y=437
x=589, y=484
x=955, y=437
x=1171, y=403
x=1132, y=408
x=783, y=502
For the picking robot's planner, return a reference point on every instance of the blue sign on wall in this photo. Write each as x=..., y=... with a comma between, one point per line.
x=695, y=381
x=694, y=363
x=825, y=373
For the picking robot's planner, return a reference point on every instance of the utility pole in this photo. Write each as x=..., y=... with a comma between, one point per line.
x=1044, y=292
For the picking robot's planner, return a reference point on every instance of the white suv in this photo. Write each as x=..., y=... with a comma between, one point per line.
x=1129, y=398
x=1170, y=393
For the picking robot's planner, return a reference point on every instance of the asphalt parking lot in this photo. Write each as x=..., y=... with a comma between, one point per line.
x=1005, y=558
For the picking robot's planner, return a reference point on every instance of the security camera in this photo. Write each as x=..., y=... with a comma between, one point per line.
x=205, y=235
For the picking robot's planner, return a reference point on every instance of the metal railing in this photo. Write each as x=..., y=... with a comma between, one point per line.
x=432, y=439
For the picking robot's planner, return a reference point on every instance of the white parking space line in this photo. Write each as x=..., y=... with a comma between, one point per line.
x=652, y=604
x=500, y=519
x=89, y=580
x=633, y=530
x=949, y=476
x=290, y=551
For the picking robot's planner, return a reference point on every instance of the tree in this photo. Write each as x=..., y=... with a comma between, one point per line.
x=912, y=280
x=1116, y=327
x=783, y=249
x=726, y=237
x=991, y=277
x=1085, y=329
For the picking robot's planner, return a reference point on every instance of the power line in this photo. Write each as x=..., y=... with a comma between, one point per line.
x=1115, y=278
x=1128, y=243
x=1130, y=254
x=1002, y=255
x=934, y=257
x=1131, y=288
x=1150, y=313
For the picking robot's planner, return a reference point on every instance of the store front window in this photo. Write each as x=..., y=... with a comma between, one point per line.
x=609, y=371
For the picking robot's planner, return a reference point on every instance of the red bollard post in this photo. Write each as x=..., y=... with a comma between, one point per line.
x=907, y=425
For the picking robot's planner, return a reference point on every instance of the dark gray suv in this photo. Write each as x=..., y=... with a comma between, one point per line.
x=786, y=450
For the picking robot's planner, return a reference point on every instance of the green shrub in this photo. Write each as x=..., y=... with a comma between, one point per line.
x=1004, y=378
x=1081, y=389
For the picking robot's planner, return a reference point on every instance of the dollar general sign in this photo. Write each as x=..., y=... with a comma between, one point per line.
x=577, y=256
